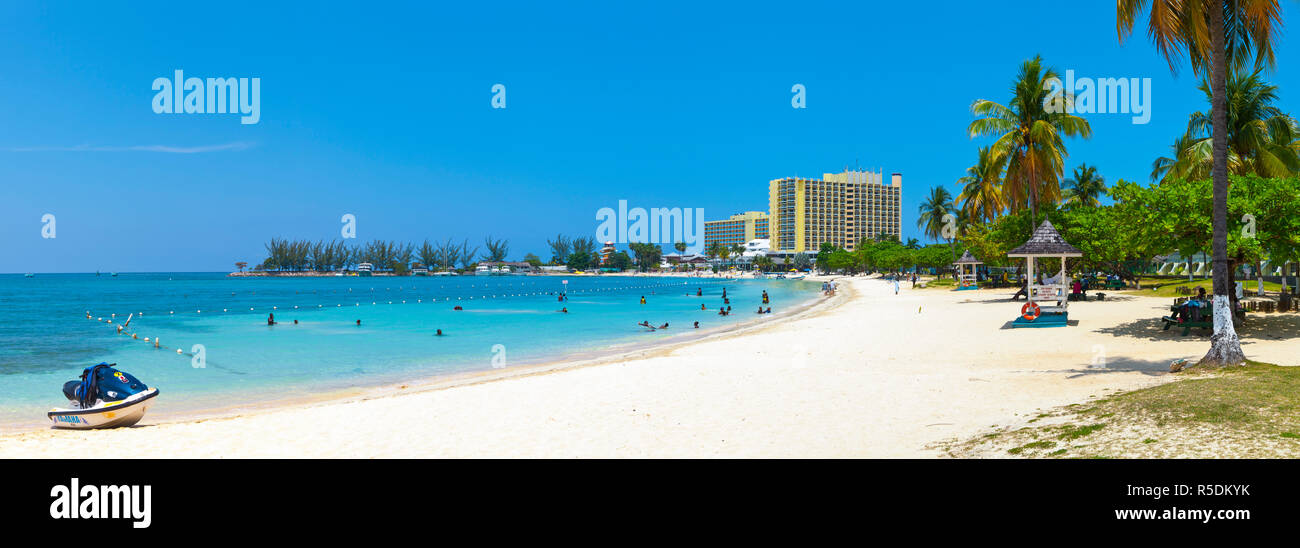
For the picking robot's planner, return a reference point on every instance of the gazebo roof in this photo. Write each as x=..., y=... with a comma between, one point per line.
x=967, y=258
x=1046, y=241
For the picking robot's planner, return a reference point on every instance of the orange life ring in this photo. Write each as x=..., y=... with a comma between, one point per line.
x=1030, y=311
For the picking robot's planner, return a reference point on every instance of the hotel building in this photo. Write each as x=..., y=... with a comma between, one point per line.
x=738, y=230
x=840, y=208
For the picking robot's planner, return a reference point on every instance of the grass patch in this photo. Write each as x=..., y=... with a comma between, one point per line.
x=1251, y=411
x=1169, y=286
x=1254, y=395
x=1032, y=445
x=1075, y=432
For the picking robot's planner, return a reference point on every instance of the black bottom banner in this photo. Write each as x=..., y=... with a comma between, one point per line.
x=139, y=499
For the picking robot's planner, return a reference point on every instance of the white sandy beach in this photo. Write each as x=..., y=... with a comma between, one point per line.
x=869, y=374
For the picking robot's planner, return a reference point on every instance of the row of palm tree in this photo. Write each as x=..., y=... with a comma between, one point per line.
x=325, y=256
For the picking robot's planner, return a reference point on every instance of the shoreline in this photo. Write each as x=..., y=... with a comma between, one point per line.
x=869, y=373
x=420, y=384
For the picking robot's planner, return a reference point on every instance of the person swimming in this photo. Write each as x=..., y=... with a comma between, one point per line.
x=295, y=322
x=768, y=311
x=439, y=333
x=702, y=307
x=699, y=292
x=358, y=322
x=458, y=308
x=565, y=310
x=646, y=324
x=643, y=299
x=697, y=325
x=664, y=326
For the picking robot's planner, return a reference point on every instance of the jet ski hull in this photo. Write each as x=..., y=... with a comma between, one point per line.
x=115, y=414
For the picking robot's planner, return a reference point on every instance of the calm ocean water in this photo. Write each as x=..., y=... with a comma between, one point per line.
x=47, y=340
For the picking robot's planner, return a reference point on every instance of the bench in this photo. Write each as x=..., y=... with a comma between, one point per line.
x=1187, y=326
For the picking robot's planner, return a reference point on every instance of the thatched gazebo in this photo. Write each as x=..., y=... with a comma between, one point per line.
x=1045, y=242
x=964, y=280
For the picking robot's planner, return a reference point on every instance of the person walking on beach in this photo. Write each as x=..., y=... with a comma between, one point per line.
x=895, y=286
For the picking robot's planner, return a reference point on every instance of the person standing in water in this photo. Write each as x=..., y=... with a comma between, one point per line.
x=643, y=299
x=270, y=320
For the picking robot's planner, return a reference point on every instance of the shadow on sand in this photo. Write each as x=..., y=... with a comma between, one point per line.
x=1276, y=326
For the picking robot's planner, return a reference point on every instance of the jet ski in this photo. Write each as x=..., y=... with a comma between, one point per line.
x=104, y=398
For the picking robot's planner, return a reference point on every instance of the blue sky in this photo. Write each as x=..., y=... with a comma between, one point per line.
x=383, y=111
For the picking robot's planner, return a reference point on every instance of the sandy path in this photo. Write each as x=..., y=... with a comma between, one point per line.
x=883, y=375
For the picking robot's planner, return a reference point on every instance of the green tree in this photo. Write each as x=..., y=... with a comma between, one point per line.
x=932, y=211
x=1083, y=189
x=1262, y=139
x=981, y=189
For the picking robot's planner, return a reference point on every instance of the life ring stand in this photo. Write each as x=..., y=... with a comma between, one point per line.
x=1031, y=311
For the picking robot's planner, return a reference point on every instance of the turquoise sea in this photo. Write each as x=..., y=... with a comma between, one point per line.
x=46, y=339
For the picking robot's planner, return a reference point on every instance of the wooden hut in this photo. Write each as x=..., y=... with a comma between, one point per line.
x=1054, y=297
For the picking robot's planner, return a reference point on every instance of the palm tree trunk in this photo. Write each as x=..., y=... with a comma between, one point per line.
x=1225, y=347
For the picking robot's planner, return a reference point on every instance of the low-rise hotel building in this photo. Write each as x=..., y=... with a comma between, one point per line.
x=750, y=225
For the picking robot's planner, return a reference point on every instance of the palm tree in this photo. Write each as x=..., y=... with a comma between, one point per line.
x=981, y=189
x=932, y=212
x=913, y=243
x=1213, y=33
x=1261, y=138
x=1083, y=189
x=1030, y=131
x=1192, y=159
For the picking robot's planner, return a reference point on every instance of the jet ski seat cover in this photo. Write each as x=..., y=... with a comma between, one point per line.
x=102, y=382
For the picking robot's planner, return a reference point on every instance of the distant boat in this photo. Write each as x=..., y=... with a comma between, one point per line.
x=113, y=274
x=29, y=275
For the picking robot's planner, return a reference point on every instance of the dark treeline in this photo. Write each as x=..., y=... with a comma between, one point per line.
x=325, y=256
